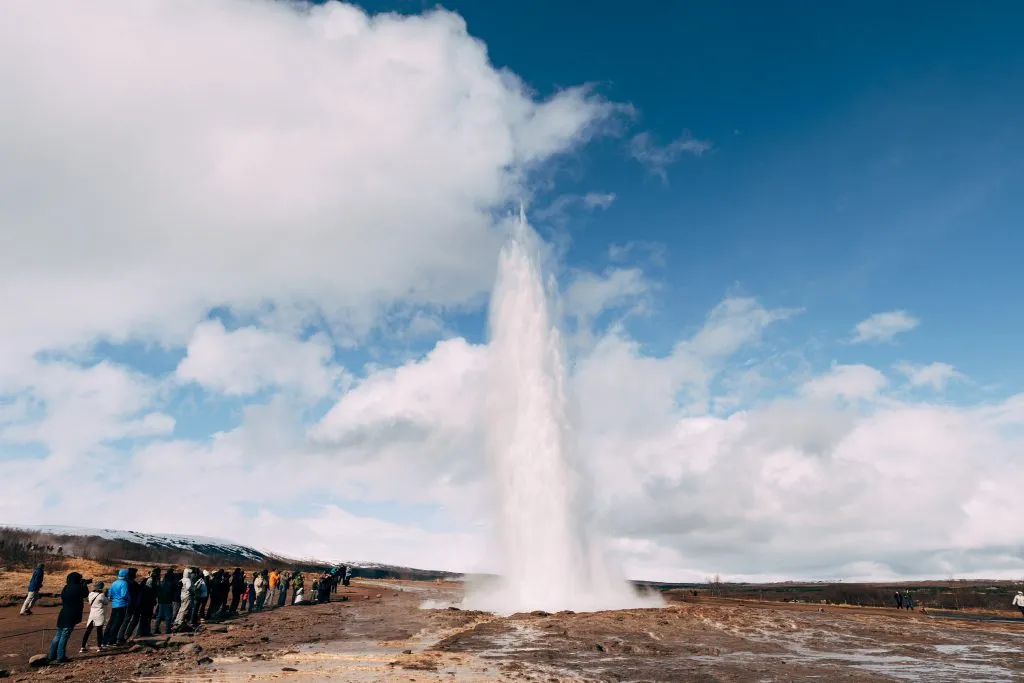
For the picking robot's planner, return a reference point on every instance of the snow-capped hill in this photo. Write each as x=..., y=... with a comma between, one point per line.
x=115, y=545
x=201, y=545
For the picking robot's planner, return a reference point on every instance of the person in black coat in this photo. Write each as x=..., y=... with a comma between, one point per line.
x=218, y=595
x=237, y=587
x=147, y=602
x=131, y=619
x=323, y=590
x=71, y=598
x=166, y=594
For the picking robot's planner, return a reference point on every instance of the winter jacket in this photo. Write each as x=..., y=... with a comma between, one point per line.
x=237, y=581
x=260, y=584
x=71, y=601
x=97, y=608
x=186, y=588
x=134, y=591
x=273, y=579
x=200, y=589
x=35, y=584
x=147, y=595
x=168, y=591
x=1018, y=599
x=119, y=595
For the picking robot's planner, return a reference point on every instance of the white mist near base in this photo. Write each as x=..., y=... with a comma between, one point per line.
x=551, y=561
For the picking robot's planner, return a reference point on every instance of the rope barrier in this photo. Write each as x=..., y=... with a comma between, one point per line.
x=27, y=633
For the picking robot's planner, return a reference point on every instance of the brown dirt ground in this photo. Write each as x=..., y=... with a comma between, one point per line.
x=380, y=634
x=254, y=634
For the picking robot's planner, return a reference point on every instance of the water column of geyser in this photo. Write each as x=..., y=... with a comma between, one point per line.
x=551, y=561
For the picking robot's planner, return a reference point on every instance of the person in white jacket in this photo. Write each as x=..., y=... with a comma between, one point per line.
x=1018, y=602
x=98, y=601
x=187, y=594
x=260, y=585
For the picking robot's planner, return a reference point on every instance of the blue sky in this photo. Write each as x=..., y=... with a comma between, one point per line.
x=282, y=266
x=865, y=157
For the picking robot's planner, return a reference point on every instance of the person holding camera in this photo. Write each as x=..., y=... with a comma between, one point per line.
x=71, y=598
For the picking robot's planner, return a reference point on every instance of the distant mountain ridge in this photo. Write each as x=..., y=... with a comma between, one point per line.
x=200, y=545
x=118, y=544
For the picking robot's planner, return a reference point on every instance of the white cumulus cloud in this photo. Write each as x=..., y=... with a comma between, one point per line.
x=846, y=381
x=245, y=360
x=166, y=157
x=934, y=375
x=884, y=326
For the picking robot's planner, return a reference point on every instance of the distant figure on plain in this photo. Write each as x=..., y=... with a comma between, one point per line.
x=908, y=601
x=1018, y=602
x=35, y=584
x=899, y=600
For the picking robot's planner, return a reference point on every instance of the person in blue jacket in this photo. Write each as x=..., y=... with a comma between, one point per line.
x=120, y=601
x=35, y=584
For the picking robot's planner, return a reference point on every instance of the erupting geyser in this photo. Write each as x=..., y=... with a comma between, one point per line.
x=551, y=561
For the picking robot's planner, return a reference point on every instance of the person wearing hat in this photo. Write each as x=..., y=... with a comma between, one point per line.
x=1018, y=602
x=98, y=602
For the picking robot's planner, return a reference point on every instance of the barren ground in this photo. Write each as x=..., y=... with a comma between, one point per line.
x=380, y=634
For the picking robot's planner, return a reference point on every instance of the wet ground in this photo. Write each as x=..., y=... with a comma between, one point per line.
x=381, y=634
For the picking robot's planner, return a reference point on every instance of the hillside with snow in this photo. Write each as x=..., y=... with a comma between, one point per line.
x=201, y=545
x=137, y=546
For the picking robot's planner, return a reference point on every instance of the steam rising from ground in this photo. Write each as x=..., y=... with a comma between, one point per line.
x=551, y=560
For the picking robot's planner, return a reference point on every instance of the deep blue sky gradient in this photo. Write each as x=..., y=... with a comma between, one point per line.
x=868, y=156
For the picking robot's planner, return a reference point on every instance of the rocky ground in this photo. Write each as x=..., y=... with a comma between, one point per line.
x=380, y=634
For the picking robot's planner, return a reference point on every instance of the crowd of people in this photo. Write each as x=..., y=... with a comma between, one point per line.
x=178, y=601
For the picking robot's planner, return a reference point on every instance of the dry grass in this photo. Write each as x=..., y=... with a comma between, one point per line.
x=14, y=582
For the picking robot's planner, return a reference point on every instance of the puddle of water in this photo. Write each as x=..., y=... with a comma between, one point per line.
x=830, y=644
